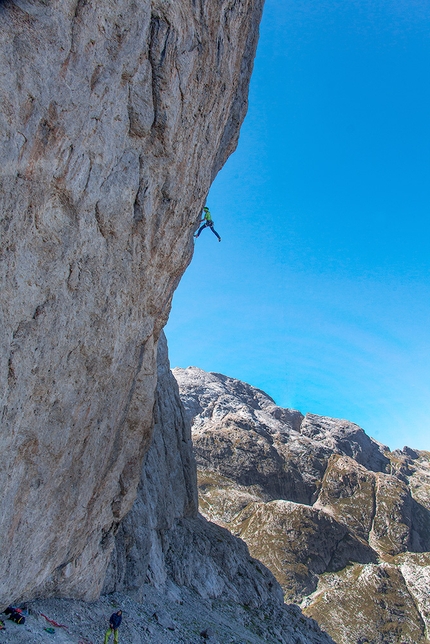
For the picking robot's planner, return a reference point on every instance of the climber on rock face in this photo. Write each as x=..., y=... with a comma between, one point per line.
x=207, y=218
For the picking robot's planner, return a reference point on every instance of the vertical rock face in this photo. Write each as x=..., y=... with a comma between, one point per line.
x=167, y=492
x=114, y=119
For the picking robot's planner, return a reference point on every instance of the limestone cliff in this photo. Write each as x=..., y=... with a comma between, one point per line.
x=338, y=518
x=114, y=119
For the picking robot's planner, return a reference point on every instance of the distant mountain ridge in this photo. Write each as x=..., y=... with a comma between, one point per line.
x=338, y=518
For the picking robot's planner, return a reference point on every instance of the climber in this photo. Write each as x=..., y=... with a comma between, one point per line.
x=114, y=624
x=208, y=222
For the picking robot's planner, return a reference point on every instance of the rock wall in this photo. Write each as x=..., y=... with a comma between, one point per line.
x=114, y=119
x=167, y=492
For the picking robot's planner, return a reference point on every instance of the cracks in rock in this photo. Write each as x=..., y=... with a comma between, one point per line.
x=116, y=448
x=181, y=91
x=220, y=52
x=133, y=384
x=90, y=169
x=22, y=330
x=98, y=220
x=74, y=276
x=375, y=488
x=101, y=224
x=95, y=76
x=160, y=30
x=138, y=209
x=39, y=310
x=68, y=205
x=108, y=535
x=11, y=376
x=138, y=212
x=80, y=4
x=75, y=19
x=159, y=27
x=78, y=8
x=23, y=146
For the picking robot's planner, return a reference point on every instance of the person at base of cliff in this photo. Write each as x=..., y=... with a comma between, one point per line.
x=114, y=624
x=207, y=218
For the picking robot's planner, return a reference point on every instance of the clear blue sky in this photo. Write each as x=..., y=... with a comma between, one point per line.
x=319, y=292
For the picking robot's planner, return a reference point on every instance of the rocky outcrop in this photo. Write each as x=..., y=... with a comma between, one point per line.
x=297, y=543
x=240, y=433
x=338, y=518
x=371, y=603
x=377, y=507
x=114, y=119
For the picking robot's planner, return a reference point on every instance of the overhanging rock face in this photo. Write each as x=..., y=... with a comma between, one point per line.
x=114, y=119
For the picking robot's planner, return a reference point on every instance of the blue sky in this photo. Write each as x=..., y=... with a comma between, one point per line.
x=319, y=292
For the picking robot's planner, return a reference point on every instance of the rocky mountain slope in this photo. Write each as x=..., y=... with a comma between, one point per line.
x=114, y=119
x=341, y=521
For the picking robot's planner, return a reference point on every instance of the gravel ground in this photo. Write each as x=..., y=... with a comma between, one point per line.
x=176, y=618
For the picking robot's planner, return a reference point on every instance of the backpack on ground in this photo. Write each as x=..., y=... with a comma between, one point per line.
x=15, y=615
